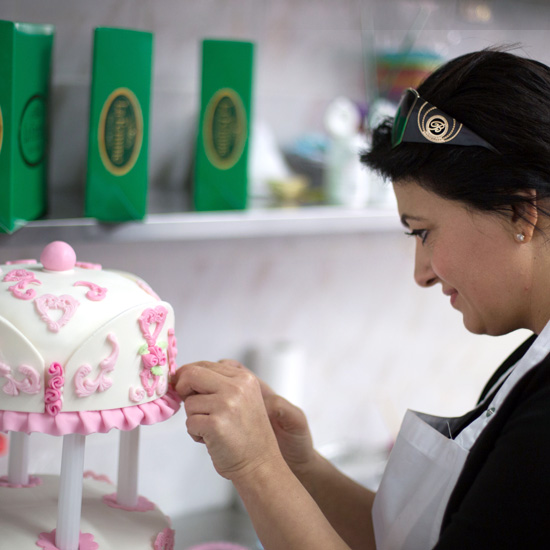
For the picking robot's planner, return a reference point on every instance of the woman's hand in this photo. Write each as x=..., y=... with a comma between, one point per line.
x=291, y=429
x=225, y=410
x=235, y=404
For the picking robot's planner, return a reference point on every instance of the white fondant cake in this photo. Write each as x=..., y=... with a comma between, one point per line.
x=27, y=518
x=82, y=350
x=75, y=337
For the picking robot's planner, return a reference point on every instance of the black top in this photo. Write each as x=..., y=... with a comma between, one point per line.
x=502, y=497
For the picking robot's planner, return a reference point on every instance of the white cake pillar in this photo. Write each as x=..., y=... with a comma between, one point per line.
x=128, y=462
x=18, y=460
x=70, y=492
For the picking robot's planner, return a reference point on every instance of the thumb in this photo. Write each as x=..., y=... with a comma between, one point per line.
x=284, y=415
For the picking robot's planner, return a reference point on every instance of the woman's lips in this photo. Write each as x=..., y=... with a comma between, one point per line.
x=453, y=297
x=452, y=293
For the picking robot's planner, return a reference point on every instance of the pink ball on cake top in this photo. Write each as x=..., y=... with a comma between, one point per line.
x=58, y=256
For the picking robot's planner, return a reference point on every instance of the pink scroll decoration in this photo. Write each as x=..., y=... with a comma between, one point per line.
x=89, y=474
x=150, y=317
x=29, y=384
x=172, y=351
x=85, y=387
x=88, y=265
x=54, y=391
x=96, y=292
x=23, y=278
x=67, y=304
x=162, y=385
x=85, y=542
x=165, y=540
x=15, y=262
x=136, y=394
x=143, y=504
x=144, y=286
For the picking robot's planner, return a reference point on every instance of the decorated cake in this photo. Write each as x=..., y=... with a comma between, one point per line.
x=82, y=350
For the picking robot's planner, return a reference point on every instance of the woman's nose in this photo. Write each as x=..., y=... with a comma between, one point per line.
x=423, y=273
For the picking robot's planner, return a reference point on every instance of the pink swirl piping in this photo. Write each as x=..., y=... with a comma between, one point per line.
x=30, y=383
x=96, y=292
x=23, y=278
x=53, y=394
x=85, y=387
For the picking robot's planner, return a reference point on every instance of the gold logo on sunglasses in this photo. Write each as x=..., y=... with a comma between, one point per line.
x=437, y=127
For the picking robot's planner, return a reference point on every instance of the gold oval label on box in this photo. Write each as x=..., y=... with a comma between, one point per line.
x=32, y=131
x=224, y=129
x=120, y=132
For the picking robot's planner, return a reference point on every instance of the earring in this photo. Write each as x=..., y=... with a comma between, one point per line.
x=520, y=237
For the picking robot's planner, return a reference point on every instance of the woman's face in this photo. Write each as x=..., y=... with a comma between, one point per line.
x=473, y=255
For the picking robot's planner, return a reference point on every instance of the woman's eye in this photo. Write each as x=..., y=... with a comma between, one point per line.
x=422, y=234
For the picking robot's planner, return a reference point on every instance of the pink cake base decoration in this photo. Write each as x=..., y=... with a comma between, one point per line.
x=85, y=541
x=165, y=540
x=89, y=422
x=143, y=505
x=33, y=482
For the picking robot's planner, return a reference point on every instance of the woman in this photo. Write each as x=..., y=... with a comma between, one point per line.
x=468, y=155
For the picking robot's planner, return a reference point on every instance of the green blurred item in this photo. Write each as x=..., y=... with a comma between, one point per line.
x=25, y=59
x=117, y=176
x=221, y=169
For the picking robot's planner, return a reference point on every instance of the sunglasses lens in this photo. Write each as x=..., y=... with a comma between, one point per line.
x=402, y=116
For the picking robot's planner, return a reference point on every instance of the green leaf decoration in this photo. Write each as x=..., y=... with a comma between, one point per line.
x=157, y=371
x=143, y=349
x=162, y=345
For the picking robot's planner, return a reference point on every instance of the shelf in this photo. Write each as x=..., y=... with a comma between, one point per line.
x=311, y=220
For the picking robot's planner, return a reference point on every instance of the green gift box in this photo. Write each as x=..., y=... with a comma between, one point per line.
x=221, y=167
x=25, y=59
x=117, y=175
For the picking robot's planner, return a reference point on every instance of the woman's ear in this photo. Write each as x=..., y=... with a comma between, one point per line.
x=525, y=216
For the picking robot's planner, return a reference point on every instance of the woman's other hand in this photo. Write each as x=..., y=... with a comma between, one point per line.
x=291, y=430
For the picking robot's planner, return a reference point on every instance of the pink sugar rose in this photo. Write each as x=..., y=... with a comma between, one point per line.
x=155, y=357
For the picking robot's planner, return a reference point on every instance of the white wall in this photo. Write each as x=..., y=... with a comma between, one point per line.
x=376, y=344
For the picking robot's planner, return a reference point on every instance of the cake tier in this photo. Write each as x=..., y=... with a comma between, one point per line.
x=77, y=338
x=29, y=515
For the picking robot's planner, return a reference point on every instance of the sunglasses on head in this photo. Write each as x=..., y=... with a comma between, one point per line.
x=416, y=120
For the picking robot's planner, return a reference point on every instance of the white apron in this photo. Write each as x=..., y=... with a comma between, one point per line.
x=424, y=466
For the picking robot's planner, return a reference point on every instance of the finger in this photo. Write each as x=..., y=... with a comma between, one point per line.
x=286, y=415
x=197, y=378
x=266, y=389
x=199, y=427
x=232, y=363
x=201, y=404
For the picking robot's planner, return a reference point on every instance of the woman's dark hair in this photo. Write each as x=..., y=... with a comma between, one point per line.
x=506, y=100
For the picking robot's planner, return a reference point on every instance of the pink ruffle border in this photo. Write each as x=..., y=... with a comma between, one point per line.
x=89, y=422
